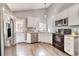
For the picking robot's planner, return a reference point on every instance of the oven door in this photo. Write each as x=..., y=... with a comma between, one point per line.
x=58, y=41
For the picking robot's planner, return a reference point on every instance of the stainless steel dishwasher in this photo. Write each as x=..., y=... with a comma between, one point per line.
x=34, y=37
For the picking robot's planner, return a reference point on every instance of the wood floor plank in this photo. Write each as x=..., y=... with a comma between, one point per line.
x=55, y=51
x=36, y=49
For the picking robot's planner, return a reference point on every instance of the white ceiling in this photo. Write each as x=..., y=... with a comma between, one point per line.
x=27, y=6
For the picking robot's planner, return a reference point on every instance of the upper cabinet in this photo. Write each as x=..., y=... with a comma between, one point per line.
x=32, y=22
x=72, y=13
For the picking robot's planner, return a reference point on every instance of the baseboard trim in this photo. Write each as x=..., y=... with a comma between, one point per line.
x=45, y=43
x=32, y=43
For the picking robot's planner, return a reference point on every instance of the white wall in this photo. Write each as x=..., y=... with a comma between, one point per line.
x=1, y=32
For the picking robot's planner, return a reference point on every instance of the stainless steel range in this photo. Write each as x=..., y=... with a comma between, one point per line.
x=58, y=38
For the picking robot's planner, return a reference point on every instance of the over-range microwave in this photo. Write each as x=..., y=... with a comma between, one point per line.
x=62, y=22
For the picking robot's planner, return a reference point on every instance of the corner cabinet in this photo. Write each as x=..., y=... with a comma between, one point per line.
x=71, y=44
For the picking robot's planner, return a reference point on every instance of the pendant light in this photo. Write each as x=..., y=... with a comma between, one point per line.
x=45, y=13
x=45, y=16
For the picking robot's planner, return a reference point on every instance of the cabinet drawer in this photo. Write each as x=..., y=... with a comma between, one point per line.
x=69, y=50
x=69, y=38
x=68, y=42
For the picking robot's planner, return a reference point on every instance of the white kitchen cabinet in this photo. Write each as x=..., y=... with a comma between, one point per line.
x=32, y=22
x=71, y=44
x=28, y=38
x=73, y=15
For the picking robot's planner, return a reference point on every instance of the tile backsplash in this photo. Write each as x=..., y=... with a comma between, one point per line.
x=75, y=29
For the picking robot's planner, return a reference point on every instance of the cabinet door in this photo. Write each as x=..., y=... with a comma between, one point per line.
x=69, y=45
x=73, y=15
x=73, y=20
x=32, y=22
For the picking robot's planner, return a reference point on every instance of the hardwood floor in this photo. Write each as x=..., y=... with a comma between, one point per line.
x=36, y=49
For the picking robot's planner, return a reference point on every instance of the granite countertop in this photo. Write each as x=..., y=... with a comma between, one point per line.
x=73, y=35
x=38, y=32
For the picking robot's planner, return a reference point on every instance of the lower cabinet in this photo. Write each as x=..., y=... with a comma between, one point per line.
x=71, y=44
